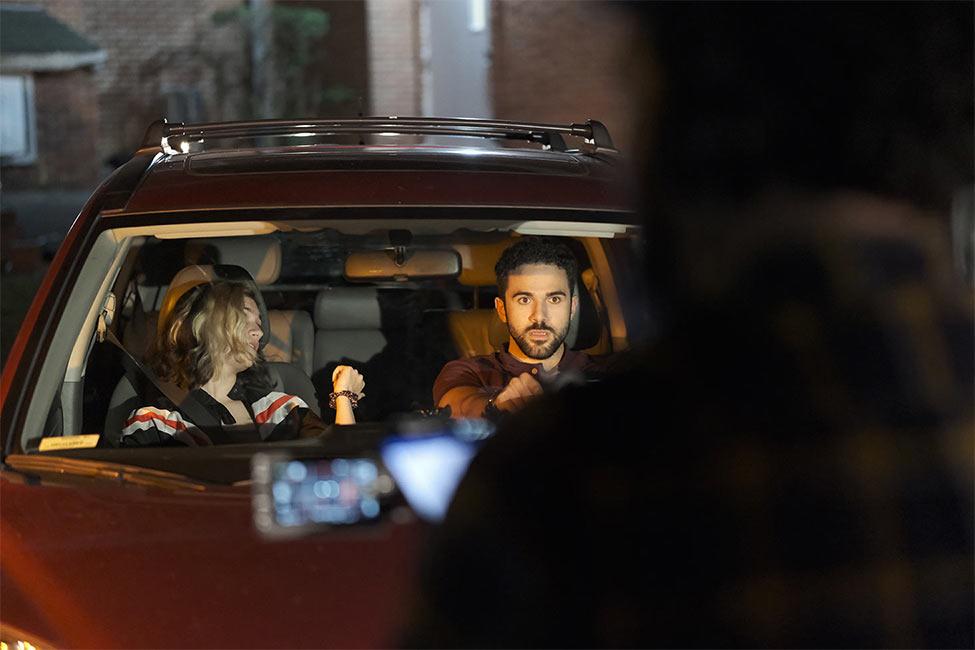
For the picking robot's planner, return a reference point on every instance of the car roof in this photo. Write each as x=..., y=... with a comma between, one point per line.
x=192, y=168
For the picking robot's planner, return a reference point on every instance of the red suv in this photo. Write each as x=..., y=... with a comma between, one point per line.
x=370, y=242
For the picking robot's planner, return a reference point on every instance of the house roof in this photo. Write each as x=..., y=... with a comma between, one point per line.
x=32, y=39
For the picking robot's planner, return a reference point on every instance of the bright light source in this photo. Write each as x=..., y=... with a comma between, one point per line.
x=477, y=15
x=167, y=148
x=571, y=229
x=428, y=470
x=205, y=229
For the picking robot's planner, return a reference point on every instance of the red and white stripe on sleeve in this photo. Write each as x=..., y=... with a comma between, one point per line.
x=274, y=407
x=168, y=422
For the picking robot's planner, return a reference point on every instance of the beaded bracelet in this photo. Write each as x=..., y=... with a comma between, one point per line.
x=353, y=398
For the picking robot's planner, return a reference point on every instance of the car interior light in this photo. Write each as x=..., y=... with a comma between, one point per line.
x=189, y=231
x=571, y=229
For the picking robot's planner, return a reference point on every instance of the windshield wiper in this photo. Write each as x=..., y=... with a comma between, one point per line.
x=103, y=470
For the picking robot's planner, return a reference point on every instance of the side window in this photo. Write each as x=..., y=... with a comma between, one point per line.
x=106, y=365
x=627, y=253
x=18, y=139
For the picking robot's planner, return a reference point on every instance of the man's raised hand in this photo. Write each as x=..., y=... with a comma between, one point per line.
x=519, y=391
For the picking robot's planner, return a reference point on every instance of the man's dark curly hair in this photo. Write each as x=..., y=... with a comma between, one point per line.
x=536, y=250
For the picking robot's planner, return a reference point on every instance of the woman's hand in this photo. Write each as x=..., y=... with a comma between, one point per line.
x=348, y=378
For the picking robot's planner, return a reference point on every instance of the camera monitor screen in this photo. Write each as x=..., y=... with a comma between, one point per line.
x=427, y=470
x=323, y=491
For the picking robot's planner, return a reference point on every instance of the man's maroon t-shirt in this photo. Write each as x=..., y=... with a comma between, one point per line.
x=492, y=372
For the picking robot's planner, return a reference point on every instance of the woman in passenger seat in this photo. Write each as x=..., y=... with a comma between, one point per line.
x=210, y=348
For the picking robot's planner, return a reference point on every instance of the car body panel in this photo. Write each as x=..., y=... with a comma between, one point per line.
x=175, y=183
x=191, y=560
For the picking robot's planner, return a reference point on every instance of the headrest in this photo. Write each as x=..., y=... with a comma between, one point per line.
x=477, y=331
x=197, y=274
x=477, y=262
x=587, y=327
x=347, y=308
x=291, y=338
x=259, y=256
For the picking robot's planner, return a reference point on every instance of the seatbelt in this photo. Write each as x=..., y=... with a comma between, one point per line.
x=183, y=399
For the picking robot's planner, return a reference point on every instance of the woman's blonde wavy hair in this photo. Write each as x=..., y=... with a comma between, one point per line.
x=207, y=327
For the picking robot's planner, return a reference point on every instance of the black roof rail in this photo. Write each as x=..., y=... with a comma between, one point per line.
x=176, y=137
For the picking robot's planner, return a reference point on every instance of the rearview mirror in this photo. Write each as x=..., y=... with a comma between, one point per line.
x=401, y=264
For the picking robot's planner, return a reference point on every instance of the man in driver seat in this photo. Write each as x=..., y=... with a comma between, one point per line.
x=536, y=279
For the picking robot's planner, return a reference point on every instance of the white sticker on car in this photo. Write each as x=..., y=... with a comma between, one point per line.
x=69, y=442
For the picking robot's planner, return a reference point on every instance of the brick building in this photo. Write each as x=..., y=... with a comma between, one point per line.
x=192, y=60
x=49, y=104
x=162, y=57
x=394, y=57
x=563, y=62
x=111, y=67
x=555, y=61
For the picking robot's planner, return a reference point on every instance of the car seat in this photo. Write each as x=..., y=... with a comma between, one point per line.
x=348, y=330
x=291, y=333
x=348, y=325
x=291, y=338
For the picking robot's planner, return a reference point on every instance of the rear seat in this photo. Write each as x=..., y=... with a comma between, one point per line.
x=291, y=333
x=291, y=339
x=348, y=331
x=476, y=331
x=347, y=326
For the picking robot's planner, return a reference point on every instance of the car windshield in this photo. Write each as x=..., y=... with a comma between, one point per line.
x=395, y=297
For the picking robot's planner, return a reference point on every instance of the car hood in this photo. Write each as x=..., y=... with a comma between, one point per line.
x=95, y=562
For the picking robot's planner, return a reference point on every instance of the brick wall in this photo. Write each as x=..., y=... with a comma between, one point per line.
x=156, y=46
x=551, y=61
x=153, y=47
x=562, y=62
x=394, y=65
x=66, y=112
x=343, y=60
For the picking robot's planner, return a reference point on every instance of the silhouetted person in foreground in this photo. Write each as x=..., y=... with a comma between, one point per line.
x=791, y=463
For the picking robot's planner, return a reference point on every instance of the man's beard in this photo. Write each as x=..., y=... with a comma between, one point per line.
x=539, y=351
